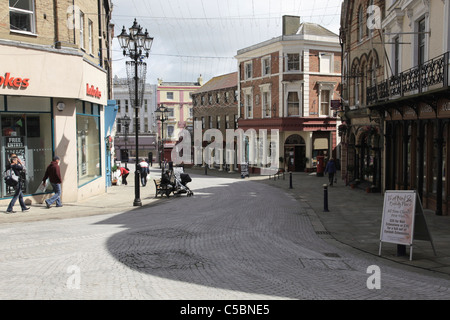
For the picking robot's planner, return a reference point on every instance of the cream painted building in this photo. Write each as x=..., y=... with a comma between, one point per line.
x=54, y=88
x=177, y=98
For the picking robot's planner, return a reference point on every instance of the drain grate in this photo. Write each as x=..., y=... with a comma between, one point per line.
x=322, y=232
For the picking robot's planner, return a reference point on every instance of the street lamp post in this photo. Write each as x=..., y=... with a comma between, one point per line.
x=133, y=45
x=161, y=115
x=126, y=122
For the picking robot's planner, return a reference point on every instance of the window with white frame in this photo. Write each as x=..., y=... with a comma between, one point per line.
x=248, y=106
x=266, y=66
x=170, y=130
x=22, y=16
x=81, y=30
x=169, y=95
x=396, y=56
x=248, y=66
x=293, y=102
x=326, y=62
x=266, y=104
x=421, y=41
x=324, y=103
x=171, y=112
x=90, y=37
x=266, y=100
x=293, y=62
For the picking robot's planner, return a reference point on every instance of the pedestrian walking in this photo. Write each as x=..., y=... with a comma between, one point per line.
x=144, y=170
x=17, y=167
x=331, y=170
x=124, y=174
x=53, y=174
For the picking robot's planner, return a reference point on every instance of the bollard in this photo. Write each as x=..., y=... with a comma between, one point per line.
x=325, y=197
x=290, y=180
x=206, y=169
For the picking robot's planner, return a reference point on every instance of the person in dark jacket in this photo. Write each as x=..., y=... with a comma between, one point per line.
x=54, y=175
x=331, y=170
x=17, y=166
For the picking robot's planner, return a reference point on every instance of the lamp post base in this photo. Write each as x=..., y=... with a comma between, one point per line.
x=137, y=203
x=137, y=194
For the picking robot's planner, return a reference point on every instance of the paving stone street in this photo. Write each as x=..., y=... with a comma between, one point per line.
x=235, y=239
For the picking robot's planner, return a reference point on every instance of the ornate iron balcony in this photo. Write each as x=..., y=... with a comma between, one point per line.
x=430, y=75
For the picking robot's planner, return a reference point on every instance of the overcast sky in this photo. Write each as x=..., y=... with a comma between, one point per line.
x=193, y=37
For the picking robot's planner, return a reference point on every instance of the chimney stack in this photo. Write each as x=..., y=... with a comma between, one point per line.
x=291, y=24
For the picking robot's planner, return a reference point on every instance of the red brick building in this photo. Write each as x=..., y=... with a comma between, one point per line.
x=289, y=83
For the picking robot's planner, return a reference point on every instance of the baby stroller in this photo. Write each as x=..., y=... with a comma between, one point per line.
x=181, y=181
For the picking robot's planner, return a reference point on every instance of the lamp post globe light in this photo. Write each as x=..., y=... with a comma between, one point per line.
x=136, y=45
x=161, y=115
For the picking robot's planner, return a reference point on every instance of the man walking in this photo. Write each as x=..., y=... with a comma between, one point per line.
x=143, y=167
x=54, y=175
x=331, y=170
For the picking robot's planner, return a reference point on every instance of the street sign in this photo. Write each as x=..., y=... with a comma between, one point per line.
x=403, y=219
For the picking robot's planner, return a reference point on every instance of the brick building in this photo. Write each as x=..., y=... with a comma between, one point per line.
x=55, y=85
x=216, y=106
x=288, y=83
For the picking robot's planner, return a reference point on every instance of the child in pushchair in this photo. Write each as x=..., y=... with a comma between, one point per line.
x=178, y=181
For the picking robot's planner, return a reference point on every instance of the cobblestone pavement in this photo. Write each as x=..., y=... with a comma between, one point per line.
x=234, y=239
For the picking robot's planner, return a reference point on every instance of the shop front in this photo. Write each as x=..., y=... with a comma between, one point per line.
x=52, y=103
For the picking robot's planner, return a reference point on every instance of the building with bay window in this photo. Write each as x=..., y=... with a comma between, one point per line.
x=54, y=89
x=289, y=83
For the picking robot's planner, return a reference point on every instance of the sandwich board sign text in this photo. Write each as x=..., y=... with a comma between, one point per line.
x=403, y=219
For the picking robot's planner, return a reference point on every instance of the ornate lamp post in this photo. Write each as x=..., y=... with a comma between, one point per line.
x=126, y=123
x=161, y=115
x=134, y=45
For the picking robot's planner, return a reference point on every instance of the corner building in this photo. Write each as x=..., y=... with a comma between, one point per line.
x=55, y=85
x=288, y=84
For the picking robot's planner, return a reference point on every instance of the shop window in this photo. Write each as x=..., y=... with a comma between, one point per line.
x=21, y=15
x=88, y=148
x=30, y=137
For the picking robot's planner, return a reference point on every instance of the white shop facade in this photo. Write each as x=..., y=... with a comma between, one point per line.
x=52, y=104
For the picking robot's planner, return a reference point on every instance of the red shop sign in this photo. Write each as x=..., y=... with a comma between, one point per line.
x=93, y=91
x=13, y=82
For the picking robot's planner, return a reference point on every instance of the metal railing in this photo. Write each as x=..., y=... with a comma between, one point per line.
x=419, y=79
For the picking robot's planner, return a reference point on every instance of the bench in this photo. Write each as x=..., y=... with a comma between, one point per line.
x=164, y=189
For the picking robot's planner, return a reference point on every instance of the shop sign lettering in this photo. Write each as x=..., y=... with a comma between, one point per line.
x=13, y=82
x=93, y=91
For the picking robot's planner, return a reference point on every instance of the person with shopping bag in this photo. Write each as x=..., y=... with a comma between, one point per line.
x=53, y=174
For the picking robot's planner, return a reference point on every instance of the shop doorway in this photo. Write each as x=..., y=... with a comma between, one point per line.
x=295, y=153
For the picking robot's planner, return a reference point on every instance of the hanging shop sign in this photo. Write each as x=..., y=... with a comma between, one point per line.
x=93, y=91
x=8, y=81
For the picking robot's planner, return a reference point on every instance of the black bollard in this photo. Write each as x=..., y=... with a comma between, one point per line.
x=290, y=180
x=325, y=198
